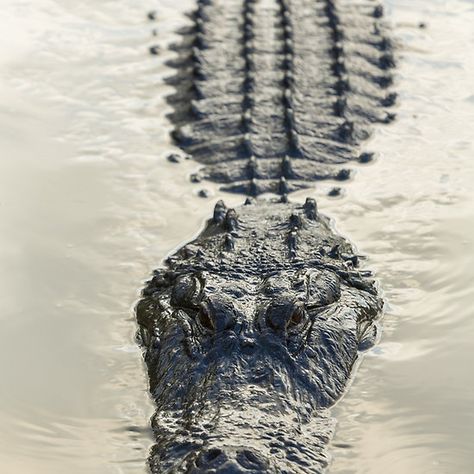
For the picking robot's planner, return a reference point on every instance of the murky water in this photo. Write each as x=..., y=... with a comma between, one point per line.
x=410, y=406
x=89, y=204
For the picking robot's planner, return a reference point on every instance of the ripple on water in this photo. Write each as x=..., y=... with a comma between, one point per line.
x=89, y=206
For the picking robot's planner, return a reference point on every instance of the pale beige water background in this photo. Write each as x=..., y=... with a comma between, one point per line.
x=89, y=205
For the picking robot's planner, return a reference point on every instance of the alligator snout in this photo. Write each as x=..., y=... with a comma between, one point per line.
x=230, y=460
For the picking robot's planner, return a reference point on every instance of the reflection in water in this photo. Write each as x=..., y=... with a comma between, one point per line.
x=89, y=205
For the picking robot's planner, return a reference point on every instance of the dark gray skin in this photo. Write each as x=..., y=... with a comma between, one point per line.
x=251, y=332
x=273, y=95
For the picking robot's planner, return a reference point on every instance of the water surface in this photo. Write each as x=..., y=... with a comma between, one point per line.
x=89, y=205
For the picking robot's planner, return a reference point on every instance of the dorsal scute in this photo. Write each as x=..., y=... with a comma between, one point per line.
x=265, y=235
x=292, y=83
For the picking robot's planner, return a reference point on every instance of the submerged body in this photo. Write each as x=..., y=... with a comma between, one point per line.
x=251, y=332
x=273, y=95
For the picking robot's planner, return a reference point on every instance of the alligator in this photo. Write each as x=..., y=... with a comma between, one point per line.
x=251, y=331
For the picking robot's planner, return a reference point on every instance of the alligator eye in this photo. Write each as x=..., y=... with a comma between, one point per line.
x=205, y=319
x=296, y=317
x=283, y=315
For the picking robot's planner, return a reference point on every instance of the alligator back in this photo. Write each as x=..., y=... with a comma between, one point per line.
x=273, y=95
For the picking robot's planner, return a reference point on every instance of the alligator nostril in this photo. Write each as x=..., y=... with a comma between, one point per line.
x=213, y=453
x=210, y=456
x=251, y=460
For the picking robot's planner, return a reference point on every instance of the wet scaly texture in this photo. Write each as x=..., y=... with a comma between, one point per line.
x=275, y=94
x=251, y=333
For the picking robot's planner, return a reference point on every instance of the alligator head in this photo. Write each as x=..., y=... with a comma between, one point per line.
x=250, y=335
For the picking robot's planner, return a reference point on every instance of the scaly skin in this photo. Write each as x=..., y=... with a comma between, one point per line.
x=273, y=95
x=252, y=330
x=250, y=334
